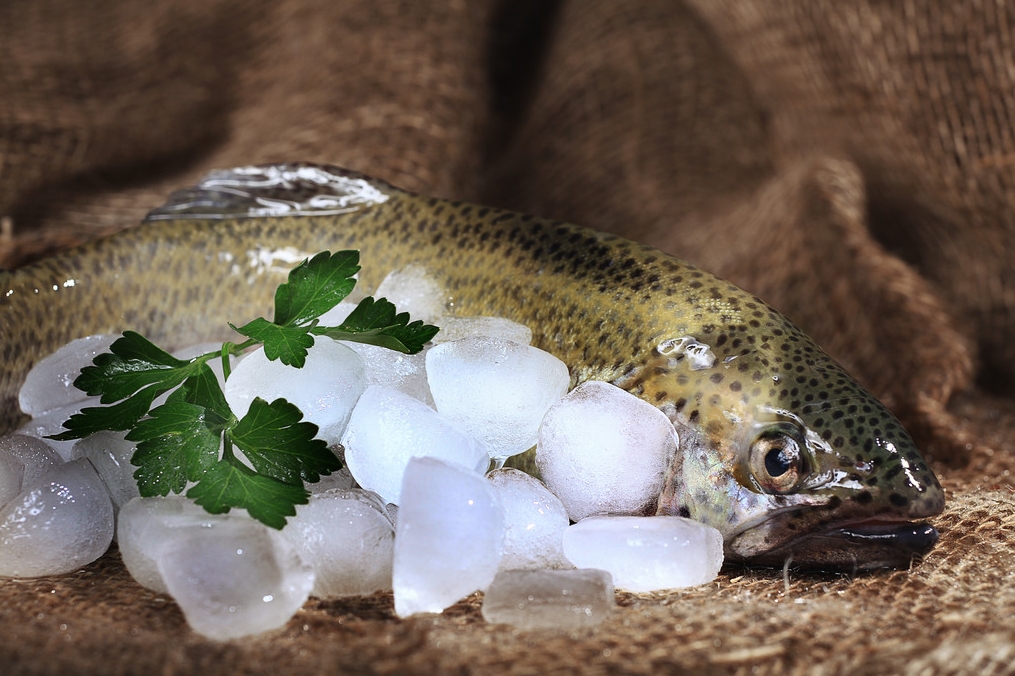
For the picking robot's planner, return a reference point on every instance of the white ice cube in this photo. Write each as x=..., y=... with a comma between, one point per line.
x=141, y=530
x=447, y=539
x=110, y=454
x=405, y=372
x=535, y=521
x=495, y=389
x=414, y=289
x=231, y=575
x=59, y=523
x=646, y=553
x=23, y=461
x=51, y=422
x=388, y=428
x=50, y=383
x=325, y=389
x=337, y=480
x=549, y=599
x=347, y=538
x=604, y=451
x=234, y=578
x=456, y=328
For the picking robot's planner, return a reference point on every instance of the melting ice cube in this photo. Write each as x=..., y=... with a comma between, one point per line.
x=604, y=451
x=448, y=537
x=347, y=538
x=495, y=389
x=388, y=428
x=57, y=524
x=557, y=599
x=535, y=521
x=646, y=553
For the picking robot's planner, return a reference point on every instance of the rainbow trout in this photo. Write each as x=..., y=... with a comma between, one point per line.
x=779, y=449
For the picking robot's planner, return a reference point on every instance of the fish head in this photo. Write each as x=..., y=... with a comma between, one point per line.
x=791, y=459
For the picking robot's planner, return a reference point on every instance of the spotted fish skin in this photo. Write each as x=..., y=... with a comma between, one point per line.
x=780, y=449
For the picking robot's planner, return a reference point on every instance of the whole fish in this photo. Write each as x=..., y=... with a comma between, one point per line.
x=779, y=449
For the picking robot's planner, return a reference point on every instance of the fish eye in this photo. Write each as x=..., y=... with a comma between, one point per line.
x=777, y=459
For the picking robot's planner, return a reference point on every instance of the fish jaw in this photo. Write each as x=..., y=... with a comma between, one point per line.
x=858, y=546
x=835, y=520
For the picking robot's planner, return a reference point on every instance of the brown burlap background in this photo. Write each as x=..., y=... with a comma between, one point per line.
x=851, y=162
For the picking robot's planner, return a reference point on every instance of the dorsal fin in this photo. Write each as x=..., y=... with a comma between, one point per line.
x=263, y=191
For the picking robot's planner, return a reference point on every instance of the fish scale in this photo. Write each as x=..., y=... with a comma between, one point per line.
x=755, y=402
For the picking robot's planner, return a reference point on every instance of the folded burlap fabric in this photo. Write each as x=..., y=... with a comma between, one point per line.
x=848, y=162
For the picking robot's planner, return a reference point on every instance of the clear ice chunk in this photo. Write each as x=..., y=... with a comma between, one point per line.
x=325, y=389
x=62, y=521
x=414, y=289
x=230, y=575
x=456, y=328
x=23, y=461
x=602, y=450
x=388, y=428
x=549, y=599
x=535, y=521
x=110, y=454
x=495, y=389
x=646, y=553
x=234, y=579
x=50, y=383
x=447, y=539
x=347, y=538
x=141, y=530
x=405, y=372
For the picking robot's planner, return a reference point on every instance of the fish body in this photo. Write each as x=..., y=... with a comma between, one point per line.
x=780, y=449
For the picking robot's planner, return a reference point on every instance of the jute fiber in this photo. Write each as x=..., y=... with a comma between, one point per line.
x=850, y=162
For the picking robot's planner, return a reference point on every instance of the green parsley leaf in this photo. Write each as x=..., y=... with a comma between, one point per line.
x=375, y=322
x=286, y=343
x=227, y=485
x=315, y=286
x=134, y=372
x=278, y=445
x=177, y=445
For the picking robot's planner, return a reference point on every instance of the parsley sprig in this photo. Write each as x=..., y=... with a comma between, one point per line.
x=260, y=461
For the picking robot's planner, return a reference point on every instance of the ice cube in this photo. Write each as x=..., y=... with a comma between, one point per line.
x=50, y=383
x=110, y=454
x=602, y=450
x=231, y=575
x=405, y=372
x=414, y=289
x=347, y=538
x=325, y=389
x=62, y=521
x=141, y=530
x=456, y=328
x=23, y=460
x=234, y=577
x=51, y=422
x=549, y=599
x=388, y=428
x=535, y=521
x=495, y=389
x=448, y=536
x=646, y=553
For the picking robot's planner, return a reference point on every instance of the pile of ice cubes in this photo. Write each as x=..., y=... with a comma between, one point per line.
x=416, y=510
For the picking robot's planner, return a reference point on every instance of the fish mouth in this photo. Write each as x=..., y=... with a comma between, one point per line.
x=858, y=546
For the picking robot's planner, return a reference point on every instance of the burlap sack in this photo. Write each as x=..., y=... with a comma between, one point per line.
x=846, y=161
